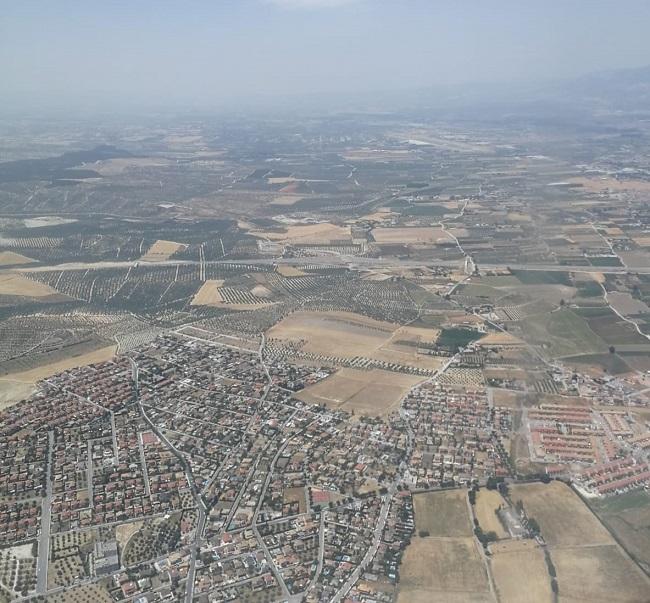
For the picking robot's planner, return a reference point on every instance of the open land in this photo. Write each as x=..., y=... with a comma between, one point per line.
x=520, y=572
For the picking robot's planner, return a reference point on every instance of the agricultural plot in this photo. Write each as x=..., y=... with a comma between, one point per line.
x=161, y=251
x=443, y=562
x=208, y=294
x=598, y=573
x=372, y=393
x=487, y=503
x=563, y=518
x=11, y=258
x=628, y=517
x=450, y=570
x=520, y=572
x=13, y=283
x=410, y=235
x=561, y=333
x=443, y=514
x=350, y=335
x=324, y=233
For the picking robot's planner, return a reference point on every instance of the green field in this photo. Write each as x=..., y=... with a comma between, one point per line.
x=612, y=363
x=561, y=333
x=455, y=338
x=628, y=517
x=543, y=277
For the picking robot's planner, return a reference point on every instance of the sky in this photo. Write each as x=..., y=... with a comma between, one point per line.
x=218, y=53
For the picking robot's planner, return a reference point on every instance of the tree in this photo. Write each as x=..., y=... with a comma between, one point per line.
x=533, y=526
x=492, y=483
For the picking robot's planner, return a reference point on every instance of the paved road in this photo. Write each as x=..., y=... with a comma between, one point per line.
x=372, y=550
x=46, y=517
x=347, y=261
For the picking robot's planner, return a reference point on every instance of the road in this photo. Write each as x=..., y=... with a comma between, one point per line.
x=46, y=518
x=372, y=549
x=343, y=261
x=198, y=499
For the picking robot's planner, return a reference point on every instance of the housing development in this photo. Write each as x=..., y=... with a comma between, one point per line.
x=350, y=358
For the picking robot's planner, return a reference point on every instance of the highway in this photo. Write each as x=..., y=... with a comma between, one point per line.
x=343, y=261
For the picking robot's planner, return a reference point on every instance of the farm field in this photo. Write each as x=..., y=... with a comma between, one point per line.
x=334, y=333
x=487, y=502
x=12, y=391
x=10, y=258
x=443, y=514
x=161, y=251
x=12, y=283
x=520, y=573
x=323, y=233
x=598, y=573
x=208, y=294
x=410, y=235
x=346, y=335
x=628, y=516
x=563, y=518
x=561, y=333
x=443, y=569
x=35, y=375
x=373, y=393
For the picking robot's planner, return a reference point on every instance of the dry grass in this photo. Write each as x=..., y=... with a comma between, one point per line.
x=10, y=258
x=287, y=199
x=416, y=234
x=563, y=518
x=443, y=513
x=601, y=573
x=12, y=391
x=499, y=339
x=626, y=304
x=597, y=185
x=208, y=294
x=112, y=167
x=487, y=502
x=334, y=333
x=124, y=531
x=346, y=335
x=437, y=569
x=520, y=572
x=34, y=375
x=289, y=271
x=296, y=495
x=323, y=234
x=370, y=393
x=12, y=283
x=161, y=251
x=88, y=593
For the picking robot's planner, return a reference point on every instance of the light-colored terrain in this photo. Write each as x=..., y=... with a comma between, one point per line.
x=15, y=385
x=323, y=233
x=487, y=502
x=161, y=251
x=373, y=392
x=590, y=565
x=443, y=513
x=444, y=565
x=407, y=236
x=520, y=572
x=563, y=518
x=346, y=335
x=208, y=294
x=11, y=258
x=12, y=283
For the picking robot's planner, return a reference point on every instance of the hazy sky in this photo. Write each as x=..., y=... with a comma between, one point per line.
x=215, y=52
